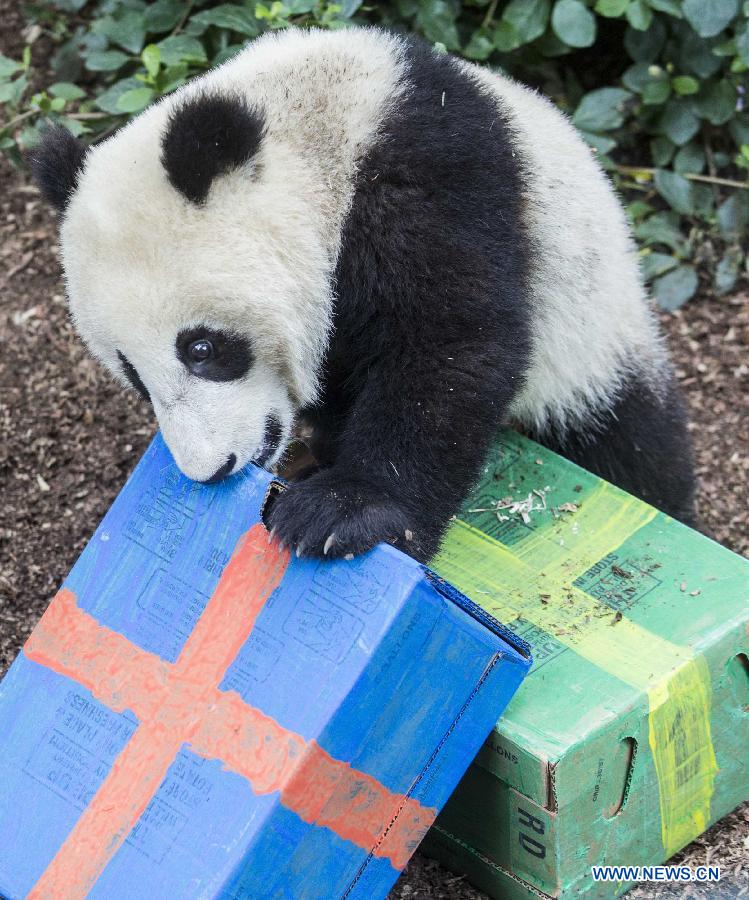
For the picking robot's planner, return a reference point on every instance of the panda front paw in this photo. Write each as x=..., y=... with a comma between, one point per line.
x=332, y=516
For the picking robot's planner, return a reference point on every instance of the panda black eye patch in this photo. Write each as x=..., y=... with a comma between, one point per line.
x=213, y=354
x=131, y=373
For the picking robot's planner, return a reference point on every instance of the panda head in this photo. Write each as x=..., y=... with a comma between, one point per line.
x=196, y=273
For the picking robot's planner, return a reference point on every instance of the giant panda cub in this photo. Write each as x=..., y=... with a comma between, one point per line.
x=402, y=250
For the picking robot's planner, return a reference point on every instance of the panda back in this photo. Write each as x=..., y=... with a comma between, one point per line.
x=593, y=328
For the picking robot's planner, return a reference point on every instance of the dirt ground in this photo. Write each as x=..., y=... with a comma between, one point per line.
x=70, y=436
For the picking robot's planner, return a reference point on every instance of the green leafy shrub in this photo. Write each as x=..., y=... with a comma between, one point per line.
x=657, y=88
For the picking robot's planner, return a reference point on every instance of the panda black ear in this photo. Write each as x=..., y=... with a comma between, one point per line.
x=206, y=136
x=56, y=163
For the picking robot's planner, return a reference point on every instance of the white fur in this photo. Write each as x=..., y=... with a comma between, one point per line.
x=592, y=326
x=142, y=263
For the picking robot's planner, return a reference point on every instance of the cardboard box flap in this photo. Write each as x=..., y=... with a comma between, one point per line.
x=478, y=613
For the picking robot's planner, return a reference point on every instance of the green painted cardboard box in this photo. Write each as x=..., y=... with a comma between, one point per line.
x=630, y=736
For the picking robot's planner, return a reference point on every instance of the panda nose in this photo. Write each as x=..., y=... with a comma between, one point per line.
x=223, y=471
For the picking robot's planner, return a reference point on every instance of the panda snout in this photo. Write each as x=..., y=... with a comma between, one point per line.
x=223, y=471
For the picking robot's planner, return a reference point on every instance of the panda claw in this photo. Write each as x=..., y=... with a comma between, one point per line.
x=299, y=550
x=328, y=544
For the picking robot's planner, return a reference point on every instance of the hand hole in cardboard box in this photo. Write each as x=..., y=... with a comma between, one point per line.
x=622, y=767
x=738, y=670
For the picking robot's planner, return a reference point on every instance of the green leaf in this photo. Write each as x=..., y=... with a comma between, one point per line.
x=637, y=77
x=672, y=7
x=742, y=43
x=66, y=61
x=75, y=127
x=726, y=273
x=66, y=90
x=600, y=142
x=675, y=190
x=105, y=60
x=480, y=47
x=436, y=20
x=109, y=99
x=638, y=209
x=704, y=200
x=678, y=122
x=611, y=9
x=12, y=91
x=733, y=214
x=8, y=67
x=349, y=7
x=506, y=37
x=674, y=289
x=685, y=84
x=151, y=57
x=28, y=137
x=656, y=93
x=135, y=100
x=662, y=151
x=739, y=128
x=57, y=104
x=691, y=159
x=655, y=264
x=127, y=30
x=727, y=48
x=573, y=23
x=601, y=110
x=645, y=46
x=223, y=55
x=716, y=102
x=528, y=17
x=662, y=228
x=163, y=15
x=234, y=18
x=695, y=54
x=549, y=46
x=181, y=48
x=709, y=17
x=639, y=15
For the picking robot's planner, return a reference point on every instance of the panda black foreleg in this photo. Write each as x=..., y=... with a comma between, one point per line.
x=412, y=445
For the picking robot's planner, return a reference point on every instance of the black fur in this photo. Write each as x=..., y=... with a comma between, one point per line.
x=642, y=445
x=56, y=163
x=431, y=339
x=205, y=137
x=231, y=359
x=131, y=373
x=431, y=324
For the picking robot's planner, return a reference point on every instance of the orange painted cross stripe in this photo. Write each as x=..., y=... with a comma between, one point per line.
x=180, y=703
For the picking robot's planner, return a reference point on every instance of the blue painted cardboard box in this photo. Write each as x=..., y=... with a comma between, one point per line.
x=199, y=715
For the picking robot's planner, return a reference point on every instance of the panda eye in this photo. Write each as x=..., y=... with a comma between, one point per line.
x=200, y=350
x=213, y=354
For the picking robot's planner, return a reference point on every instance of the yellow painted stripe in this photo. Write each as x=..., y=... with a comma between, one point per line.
x=535, y=580
x=679, y=735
